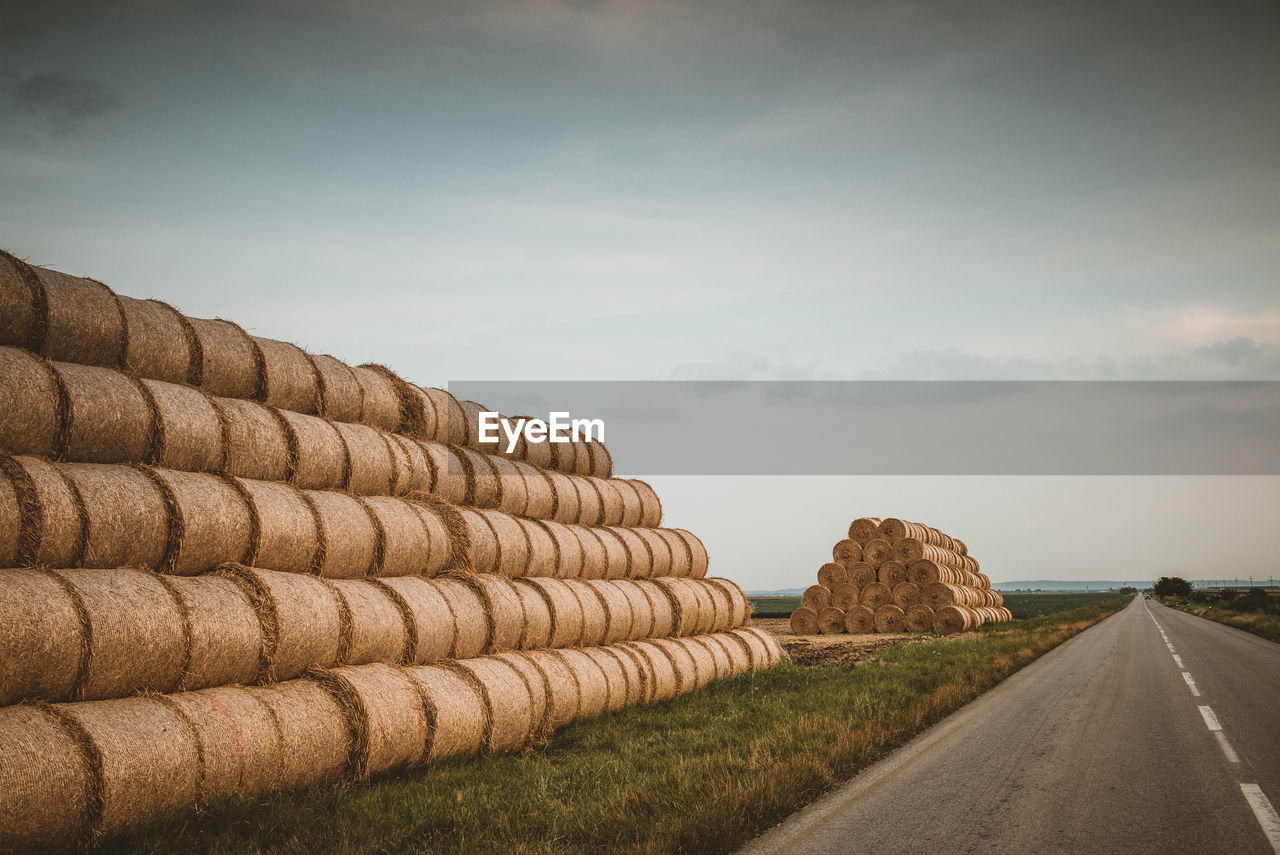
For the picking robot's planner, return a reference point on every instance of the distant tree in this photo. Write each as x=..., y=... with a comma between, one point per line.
x=1172, y=586
x=1128, y=589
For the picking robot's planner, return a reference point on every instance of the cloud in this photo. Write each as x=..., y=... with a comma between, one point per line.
x=57, y=103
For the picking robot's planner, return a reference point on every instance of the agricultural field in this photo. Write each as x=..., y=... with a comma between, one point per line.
x=1035, y=605
x=701, y=773
x=773, y=607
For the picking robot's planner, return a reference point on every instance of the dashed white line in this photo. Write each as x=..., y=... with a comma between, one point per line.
x=1231, y=755
x=1178, y=659
x=1168, y=645
x=1266, y=814
x=1210, y=720
x=1191, y=683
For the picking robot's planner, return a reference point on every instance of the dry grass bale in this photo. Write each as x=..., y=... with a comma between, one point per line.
x=512, y=557
x=619, y=560
x=126, y=516
x=874, y=595
x=623, y=683
x=343, y=397
x=651, y=505
x=739, y=605
x=923, y=572
x=877, y=551
x=639, y=563
x=704, y=664
x=949, y=619
x=43, y=647
x=305, y=623
x=484, y=487
x=562, y=688
x=321, y=457
x=737, y=652
x=411, y=471
x=370, y=461
x=864, y=529
x=659, y=550
x=831, y=621
x=686, y=669
x=761, y=647
x=618, y=611
x=484, y=541
x=315, y=738
x=721, y=606
x=699, y=561
x=664, y=683
x=664, y=615
x=228, y=358
x=590, y=502
x=21, y=303
x=919, y=619
x=288, y=532
x=109, y=419
x=860, y=619
x=48, y=789
x=566, y=608
x=513, y=494
x=33, y=413
x=906, y=594
x=638, y=674
x=892, y=573
x=352, y=540
x=539, y=683
x=387, y=713
x=613, y=508
x=832, y=574
x=506, y=614
x=593, y=685
x=461, y=713
x=156, y=341
x=450, y=476
x=847, y=551
x=381, y=397
x=595, y=554
x=844, y=597
x=861, y=574
x=640, y=609
x=192, y=438
x=535, y=629
x=958, y=546
x=42, y=517
x=632, y=503
x=694, y=610
x=511, y=703
x=804, y=620
x=714, y=645
x=81, y=320
x=890, y=618
x=150, y=760
x=566, y=504
x=289, y=379
x=434, y=625
x=681, y=553
x=212, y=521
x=437, y=408
x=473, y=628
x=415, y=542
x=539, y=495
x=816, y=597
x=378, y=630
x=570, y=557
x=240, y=738
x=257, y=442
x=543, y=550
x=936, y=595
x=226, y=636
x=595, y=617
x=564, y=457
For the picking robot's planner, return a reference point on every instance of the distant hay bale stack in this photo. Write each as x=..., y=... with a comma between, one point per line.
x=831, y=621
x=874, y=595
x=863, y=530
x=844, y=597
x=804, y=621
x=877, y=551
x=892, y=573
x=816, y=597
x=860, y=619
x=847, y=551
x=906, y=594
x=919, y=619
x=890, y=618
x=832, y=574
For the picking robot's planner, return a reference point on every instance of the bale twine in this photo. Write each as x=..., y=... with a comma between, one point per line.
x=315, y=737
x=739, y=605
x=379, y=631
x=640, y=608
x=892, y=573
x=239, y=738
x=890, y=618
x=473, y=626
x=919, y=619
x=950, y=619
x=44, y=648
x=861, y=574
x=804, y=620
x=228, y=358
x=415, y=542
x=389, y=715
x=257, y=443
x=860, y=619
x=844, y=596
x=877, y=551
x=906, y=594
x=659, y=550
x=434, y=624
x=816, y=597
x=562, y=688
x=832, y=574
x=511, y=703
x=618, y=613
x=847, y=551
x=864, y=529
x=831, y=621
x=305, y=623
x=193, y=436
x=618, y=686
x=126, y=515
x=108, y=418
x=664, y=615
x=35, y=409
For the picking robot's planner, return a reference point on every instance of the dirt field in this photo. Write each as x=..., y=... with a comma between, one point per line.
x=840, y=650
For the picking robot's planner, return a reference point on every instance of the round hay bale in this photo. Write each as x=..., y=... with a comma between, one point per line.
x=699, y=561
x=570, y=556
x=919, y=619
x=721, y=606
x=617, y=609
x=288, y=531
x=512, y=544
x=663, y=680
x=485, y=489
x=847, y=551
x=639, y=674
x=562, y=688
x=510, y=702
x=49, y=792
x=377, y=627
x=660, y=554
x=444, y=424
x=863, y=530
x=192, y=438
x=352, y=540
x=651, y=515
x=257, y=442
x=831, y=621
x=937, y=595
x=388, y=714
x=461, y=714
x=595, y=618
x=305, y=623
x=893, y=529
x=435, y=627
x=473, y=629
x=564, y=458
x=44, y=646
x=892, y=573
x=228, y=358
x=877, y=551
x=860, y=619
x=381, y=398
x=804, y=621
x=890, y=618
x=739, y=605
x=861, y=574
x=590, y=502
x=632, y=502
x=618, y=687
x=213, y=522
x=737, y=651
x=568, y=613
x=593, y=684
x=21, y=303
x=414, y=542
x=506, y=614
x=874, y=595
x=691, y=604
x=924, y=572
x=619, y=561
x=411, y=471
x=757, y=647
x=449, y=475
x=535, y=633
x=43, y=518
x=315, y=738
x=595, y=554
x=906, y=594
x=612, y=503
x=951, y=619
x=343, y=397
x=544, y=553
x=539, y=683
x=640, y=607
x=150, y=760
x=240, y=738
x=565, y=502
x=816, y=597
x=681, y=553
x=484, y=541
x=844, y=597
x=512, y=491
x=289, y=378
x=639, y=557
x=34, y=412
x=108, y=417
x=959, y=547
x=128, y=522
x=682, y=661
x=704, y=664
x=715, y=646
x=664, y=615
x=370, y=460
x=226, y=635
x=832, y=574
x=321, y=455
x=539, y=496
x=157, y=344
x=83, y=321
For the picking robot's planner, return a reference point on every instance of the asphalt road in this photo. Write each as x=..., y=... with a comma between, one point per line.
x=1101, y=745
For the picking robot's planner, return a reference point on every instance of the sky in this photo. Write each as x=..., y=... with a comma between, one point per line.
x=565, y=189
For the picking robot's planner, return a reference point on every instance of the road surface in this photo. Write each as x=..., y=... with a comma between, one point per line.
x=1153, y=731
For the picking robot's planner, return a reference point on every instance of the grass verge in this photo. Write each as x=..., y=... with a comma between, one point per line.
x=702, y=773
x=1260, y=624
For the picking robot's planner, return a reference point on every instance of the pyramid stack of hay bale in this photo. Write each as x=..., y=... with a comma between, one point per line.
x=232, y=567
x=896, y=576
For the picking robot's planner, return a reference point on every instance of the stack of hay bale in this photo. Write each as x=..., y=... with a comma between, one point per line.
x=894, y=576
x=231, y=567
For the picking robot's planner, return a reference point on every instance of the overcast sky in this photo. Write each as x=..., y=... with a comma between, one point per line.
x=565, y=189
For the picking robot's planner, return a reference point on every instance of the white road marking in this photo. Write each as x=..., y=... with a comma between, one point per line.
x=1178, y=659
x=1210, y=720
x=1232, y=756
x=1266, y=814
x=1191, y=683
x=1168, y=645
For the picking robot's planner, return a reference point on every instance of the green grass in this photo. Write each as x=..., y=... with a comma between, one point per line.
x=774, y=606
x=702, y=773
x=1036, y=605
x=1260, y=624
